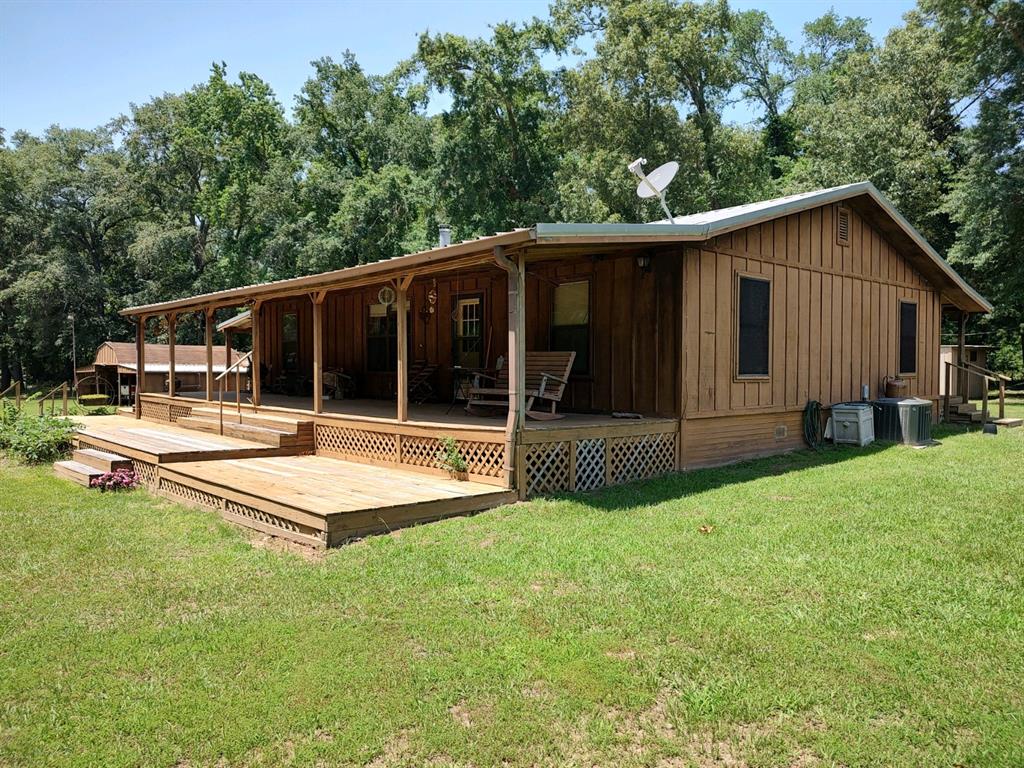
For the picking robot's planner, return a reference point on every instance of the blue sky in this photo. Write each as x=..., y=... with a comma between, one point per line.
x=79, y=64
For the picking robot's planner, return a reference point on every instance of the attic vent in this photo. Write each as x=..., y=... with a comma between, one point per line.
x=843, y=226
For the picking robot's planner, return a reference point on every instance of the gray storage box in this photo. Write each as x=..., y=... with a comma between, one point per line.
x=905, y=420
x=853, y=423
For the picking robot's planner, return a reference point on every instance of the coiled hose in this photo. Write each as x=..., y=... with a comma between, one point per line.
x=812, y=425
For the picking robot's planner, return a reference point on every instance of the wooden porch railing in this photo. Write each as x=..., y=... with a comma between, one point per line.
x=16, y=386
x=63, y=389
x=238, y=388
x=987, y=376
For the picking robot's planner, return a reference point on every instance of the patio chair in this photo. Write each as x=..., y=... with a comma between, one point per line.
x=547, y=374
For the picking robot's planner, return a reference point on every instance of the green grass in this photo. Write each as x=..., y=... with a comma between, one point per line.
x=1014, y=404
x=855, y=608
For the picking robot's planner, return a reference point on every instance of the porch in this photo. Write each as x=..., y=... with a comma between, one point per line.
x=577, y=453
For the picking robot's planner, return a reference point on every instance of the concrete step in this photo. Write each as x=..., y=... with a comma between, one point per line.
x=76, y=471
x=104, y=461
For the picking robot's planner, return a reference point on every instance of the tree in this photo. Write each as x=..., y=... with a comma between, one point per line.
x=495, y=157
x=201, y=159
x=767, y=72
x=68, y=216
x=987, y=197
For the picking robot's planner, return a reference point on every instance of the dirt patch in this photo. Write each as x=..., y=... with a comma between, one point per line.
x=277, y=544
x=394, y=751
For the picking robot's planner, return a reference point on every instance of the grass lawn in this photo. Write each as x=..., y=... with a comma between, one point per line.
x=854, y=607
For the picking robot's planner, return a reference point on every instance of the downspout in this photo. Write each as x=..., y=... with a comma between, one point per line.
x=516, y=291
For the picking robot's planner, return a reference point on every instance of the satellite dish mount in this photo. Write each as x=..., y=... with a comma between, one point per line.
x=655, y=184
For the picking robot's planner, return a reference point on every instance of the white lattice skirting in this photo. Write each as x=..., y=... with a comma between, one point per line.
x=586, y=464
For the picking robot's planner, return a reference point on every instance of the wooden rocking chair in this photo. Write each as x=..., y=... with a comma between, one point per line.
x=547, y=374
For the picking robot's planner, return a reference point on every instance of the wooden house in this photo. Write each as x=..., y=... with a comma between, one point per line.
x=711, y=332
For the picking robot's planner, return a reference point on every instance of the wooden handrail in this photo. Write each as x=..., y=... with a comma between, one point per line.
x=235, y=365
x=969, y=369
x=16, y=386
x=987, y=372
x=63, y=388
x=237, y=368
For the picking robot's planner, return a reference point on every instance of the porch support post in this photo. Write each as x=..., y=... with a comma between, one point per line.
x=402, y=307
x=140, y=362
x=962, y=383
x=172, y=332
x=516, y=359
x=208, y=316
x=254, y=363
x=318, y=351
x=227, y=350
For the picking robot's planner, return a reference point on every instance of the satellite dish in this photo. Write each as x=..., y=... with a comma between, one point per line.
x=386, y=295
x=655, y=183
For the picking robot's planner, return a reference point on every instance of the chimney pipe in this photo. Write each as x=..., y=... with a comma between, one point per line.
x=444, y=236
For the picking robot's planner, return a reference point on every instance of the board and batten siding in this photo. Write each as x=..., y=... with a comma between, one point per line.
x=834, y=327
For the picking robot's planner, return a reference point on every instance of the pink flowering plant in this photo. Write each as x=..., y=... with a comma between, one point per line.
x=118, y=480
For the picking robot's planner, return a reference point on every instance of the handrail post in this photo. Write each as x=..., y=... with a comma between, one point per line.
x=1002, y=399
x=238, y=392
x=945, y=403
x=17, y=394
x=64, y=399
x=984, y=402
x=220, y=399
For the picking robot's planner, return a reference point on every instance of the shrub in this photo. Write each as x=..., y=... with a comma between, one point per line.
x=449, y=457
x=35, y=439
x=118, y=480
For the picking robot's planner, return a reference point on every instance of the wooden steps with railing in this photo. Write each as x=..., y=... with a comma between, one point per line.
x=957, y=410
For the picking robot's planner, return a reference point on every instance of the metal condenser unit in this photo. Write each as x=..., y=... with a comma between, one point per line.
x=906, y=420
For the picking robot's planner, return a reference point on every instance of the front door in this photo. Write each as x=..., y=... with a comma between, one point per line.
x=468, y=332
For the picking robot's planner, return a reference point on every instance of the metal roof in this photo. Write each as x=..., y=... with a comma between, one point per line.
x=693, y=227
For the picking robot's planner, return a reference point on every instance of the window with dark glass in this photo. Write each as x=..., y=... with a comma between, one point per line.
x=290, y=341
x=908, y=337
x=382, y=338
x=754, y=310
x=570, y=323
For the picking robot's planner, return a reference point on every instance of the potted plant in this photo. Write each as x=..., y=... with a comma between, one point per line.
x=449, y=458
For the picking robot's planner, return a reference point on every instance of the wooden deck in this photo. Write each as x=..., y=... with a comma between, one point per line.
x=323, y=501
x=431, y=414
x=157, y=442
x=315, y=500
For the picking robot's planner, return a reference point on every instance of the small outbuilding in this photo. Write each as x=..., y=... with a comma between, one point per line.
x=115, y=369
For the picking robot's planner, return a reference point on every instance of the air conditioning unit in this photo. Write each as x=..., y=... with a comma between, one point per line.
x=853, y=423
x=906, y=420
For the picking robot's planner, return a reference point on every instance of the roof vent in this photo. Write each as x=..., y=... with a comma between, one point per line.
x=843, y=226
x=444, y=236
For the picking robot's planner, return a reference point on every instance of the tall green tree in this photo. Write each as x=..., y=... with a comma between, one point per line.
x=494, y=152
x=201, y=160
x=987, y=198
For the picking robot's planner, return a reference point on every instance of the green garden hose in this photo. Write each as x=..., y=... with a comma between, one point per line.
x=812, y=425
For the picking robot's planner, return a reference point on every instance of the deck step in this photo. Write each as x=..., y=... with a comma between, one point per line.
x=1008, y=422
x=76, y=471
x=104, y=461
x=277, y=438
x=964, y=408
